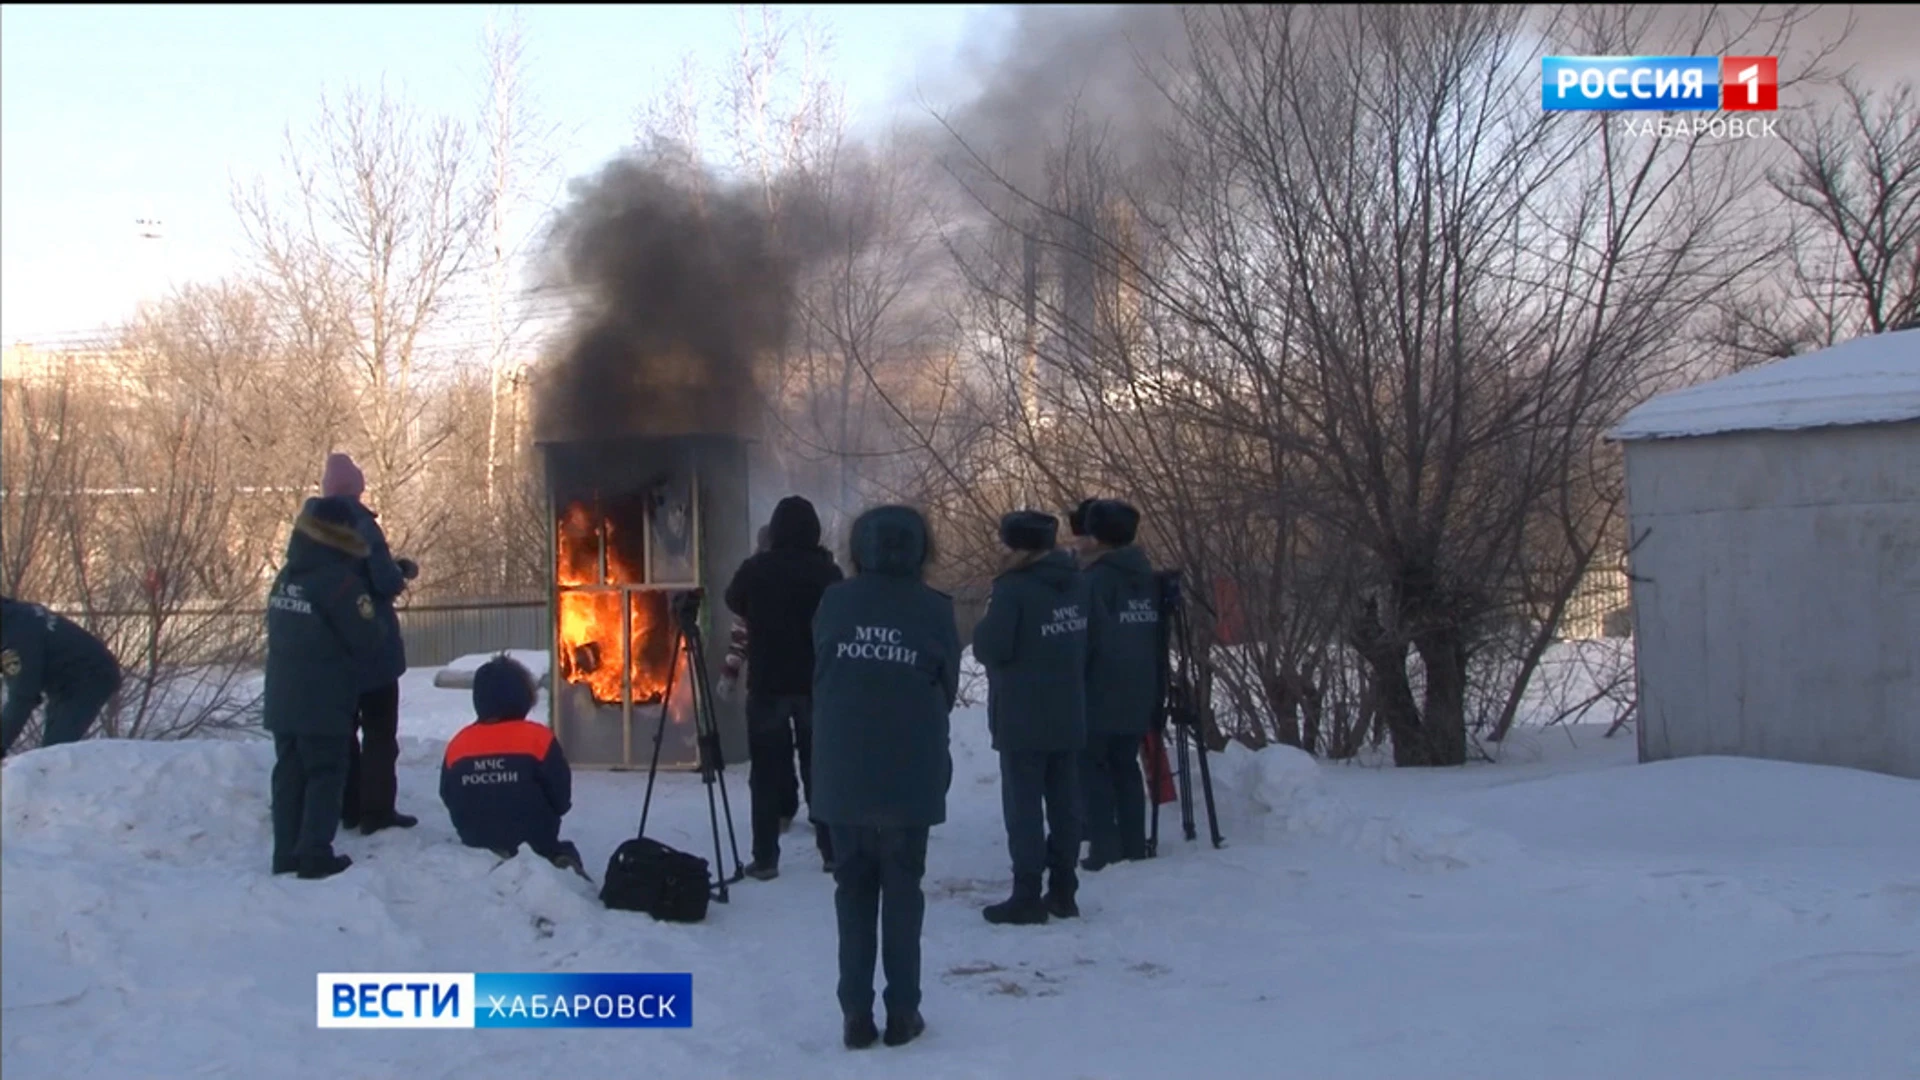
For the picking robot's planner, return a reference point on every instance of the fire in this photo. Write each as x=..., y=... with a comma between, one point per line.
x=583, y=534
x=591, y=613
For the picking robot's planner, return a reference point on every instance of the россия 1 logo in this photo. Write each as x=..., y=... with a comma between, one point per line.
x=1664, y=84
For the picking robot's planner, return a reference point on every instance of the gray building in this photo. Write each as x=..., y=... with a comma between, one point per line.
x=1775, y=560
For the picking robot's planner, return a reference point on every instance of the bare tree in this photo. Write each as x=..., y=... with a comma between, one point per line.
x=1390, y=310
x=45, y=458
x=1853, y=178
x=519, y=153
x=386, y=217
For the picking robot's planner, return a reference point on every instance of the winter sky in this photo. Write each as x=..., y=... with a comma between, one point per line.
x=113, y=114
x=110, y=115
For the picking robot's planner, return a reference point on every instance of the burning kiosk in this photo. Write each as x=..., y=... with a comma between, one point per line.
x=635, y=520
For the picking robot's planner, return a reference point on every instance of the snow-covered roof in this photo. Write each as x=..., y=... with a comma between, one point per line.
x=1869, y=380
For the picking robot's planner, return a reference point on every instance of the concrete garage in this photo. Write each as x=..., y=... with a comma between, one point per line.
x=1775, y=557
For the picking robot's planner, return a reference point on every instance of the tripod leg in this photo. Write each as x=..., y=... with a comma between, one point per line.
x=660, y=729
x=1206, y=789
x=1155, y=763
x=713, y=765
x=1185, y=778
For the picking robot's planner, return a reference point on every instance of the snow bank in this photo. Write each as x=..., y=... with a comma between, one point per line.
x=1869, y=380
x=1668, y=920
x=1280, y=792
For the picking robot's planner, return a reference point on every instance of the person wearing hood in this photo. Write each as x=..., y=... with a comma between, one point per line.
x=1033, y=643
x=48, y=657
x=504, y=778
x=1123, y=683
x=777, y=592
x=370, y=801
x=886, y=674
x=322, y=629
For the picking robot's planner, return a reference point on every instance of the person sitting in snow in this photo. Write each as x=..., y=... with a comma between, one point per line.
x=504, y=779
x=321, y=630
x=47, y=657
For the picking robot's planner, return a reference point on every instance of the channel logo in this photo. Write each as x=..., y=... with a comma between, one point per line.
x=503, y=1000
x=1660, y=83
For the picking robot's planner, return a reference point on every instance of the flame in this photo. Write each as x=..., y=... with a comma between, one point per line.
x=590, y=619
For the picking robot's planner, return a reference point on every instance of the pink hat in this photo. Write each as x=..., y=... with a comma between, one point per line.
x=342, y=478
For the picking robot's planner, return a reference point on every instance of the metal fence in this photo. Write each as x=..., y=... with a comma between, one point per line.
x=437, y=634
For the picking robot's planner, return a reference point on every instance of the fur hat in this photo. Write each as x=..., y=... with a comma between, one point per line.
x=503, y=689
x=1029, y=530
x=1077, y=517
x=334, y=510
x=342, y=477
x=1112, y=522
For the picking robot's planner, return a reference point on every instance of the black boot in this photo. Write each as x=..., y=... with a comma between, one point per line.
x=388, y=821
x=1023, y=908
x=859, y=1032
x=762, y=871
x=323, y=866
x=902, y=1030
x=1059, y=902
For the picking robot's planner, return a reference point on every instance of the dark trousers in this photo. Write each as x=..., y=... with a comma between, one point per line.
x=776, y=728
x=373, y=756
x=880, y=908
x=309, y=772
x=1040, y=800
x=69, y=714
x=1116, y=798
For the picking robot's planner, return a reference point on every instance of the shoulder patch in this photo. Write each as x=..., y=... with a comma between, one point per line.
x=364, y=605
x=9, y=663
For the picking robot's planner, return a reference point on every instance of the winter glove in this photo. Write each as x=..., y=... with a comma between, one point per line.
x=408, y=568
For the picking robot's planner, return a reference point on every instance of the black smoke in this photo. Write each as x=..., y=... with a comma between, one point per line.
x=684, y=287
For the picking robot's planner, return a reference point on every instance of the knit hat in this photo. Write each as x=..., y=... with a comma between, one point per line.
x=1029, y=530
x=1112, y=522
x=342, y=477
x=503, y=689
x=1077, y=517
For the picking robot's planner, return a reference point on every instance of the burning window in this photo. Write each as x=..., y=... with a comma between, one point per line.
x=615, y=631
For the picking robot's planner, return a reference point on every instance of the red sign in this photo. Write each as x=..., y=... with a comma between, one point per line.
x=1749, y=83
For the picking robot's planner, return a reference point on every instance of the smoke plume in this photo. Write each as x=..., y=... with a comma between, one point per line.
x=685, y=288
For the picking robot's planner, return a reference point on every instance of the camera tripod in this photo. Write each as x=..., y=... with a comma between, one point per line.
x=1181, y=707
x=686, y=621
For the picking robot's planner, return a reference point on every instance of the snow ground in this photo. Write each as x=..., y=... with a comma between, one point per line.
x=1564, y=913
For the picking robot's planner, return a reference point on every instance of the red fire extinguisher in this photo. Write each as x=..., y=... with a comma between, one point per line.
x=1159, y=774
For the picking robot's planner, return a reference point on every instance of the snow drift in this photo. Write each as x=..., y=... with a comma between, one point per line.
x=1703, y=917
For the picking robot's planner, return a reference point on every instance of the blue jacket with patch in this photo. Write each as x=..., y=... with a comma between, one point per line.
x=507, y=783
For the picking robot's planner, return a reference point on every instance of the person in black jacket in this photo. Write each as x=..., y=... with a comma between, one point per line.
x=1033, y=643
x=777, y=592
x=47, y=657
x=886, y=674
x=504, y=779
x=370, y=799
x=1123, y=683
x=322, y=628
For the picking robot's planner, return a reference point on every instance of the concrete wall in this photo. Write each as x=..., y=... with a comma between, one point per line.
x=1776, y=595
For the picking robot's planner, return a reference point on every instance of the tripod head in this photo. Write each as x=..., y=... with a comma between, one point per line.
x=685, y=604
